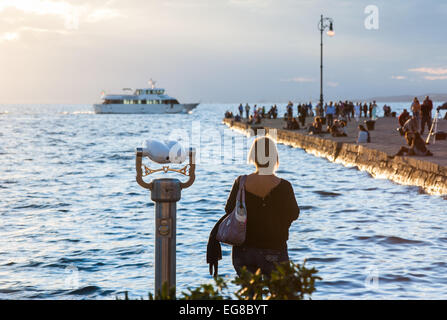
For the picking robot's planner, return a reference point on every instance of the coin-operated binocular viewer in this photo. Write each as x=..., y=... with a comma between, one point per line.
x=165, y=193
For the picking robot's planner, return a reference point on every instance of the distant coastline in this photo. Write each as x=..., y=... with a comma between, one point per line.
x=439, y=97
x=435, y=97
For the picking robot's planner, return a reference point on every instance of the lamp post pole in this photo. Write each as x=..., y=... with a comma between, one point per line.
x=322, y=25
x=321, y=63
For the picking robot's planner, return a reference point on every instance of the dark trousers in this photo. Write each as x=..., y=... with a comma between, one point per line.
x=330, y=120
x=255, y=258
x=425, y=120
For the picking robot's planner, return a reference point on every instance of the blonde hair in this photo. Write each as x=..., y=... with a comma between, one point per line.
x=264, y=155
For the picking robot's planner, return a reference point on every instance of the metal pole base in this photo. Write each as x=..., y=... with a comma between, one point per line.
x=165, y=193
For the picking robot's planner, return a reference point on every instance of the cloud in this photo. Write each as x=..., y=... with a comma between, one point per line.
x=70, y=13
x=9, y=36
x=251, y=3
x=298, y=79
x=398, y=77
x=332, y=84
x=435, y=71
x=103, y=14
x=432, y=78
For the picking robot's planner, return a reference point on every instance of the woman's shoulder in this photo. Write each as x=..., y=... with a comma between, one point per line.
x=285, y=183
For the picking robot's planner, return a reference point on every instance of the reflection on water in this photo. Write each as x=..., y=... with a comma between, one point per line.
x=76, y=225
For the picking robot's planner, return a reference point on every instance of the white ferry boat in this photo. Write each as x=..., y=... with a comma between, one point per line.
x=145, y=100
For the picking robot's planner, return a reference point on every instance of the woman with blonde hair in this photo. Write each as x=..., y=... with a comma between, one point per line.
x=271, y=208
x=416, y=108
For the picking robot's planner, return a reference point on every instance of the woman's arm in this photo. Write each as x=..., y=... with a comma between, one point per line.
x=214, y=252
x=231, y=201
x=292, y=208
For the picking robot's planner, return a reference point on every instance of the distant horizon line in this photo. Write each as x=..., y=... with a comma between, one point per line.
x=438, y=97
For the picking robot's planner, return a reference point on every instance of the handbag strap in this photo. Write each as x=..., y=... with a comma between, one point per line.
x=241, y=191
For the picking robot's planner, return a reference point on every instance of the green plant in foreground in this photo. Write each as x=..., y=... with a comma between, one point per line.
x=288, y=281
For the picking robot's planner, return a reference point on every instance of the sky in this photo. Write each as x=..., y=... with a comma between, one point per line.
x=220, y=50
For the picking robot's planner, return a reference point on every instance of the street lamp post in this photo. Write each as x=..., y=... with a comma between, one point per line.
x=325, y=23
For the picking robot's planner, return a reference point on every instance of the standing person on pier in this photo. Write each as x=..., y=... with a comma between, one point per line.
x=271, y=208
x=426, y=108
x=365, y=109
x=247, y=110
x=302, y=114
x=310, y=107
x=241, y=110
x=374, y=110
x=357, y=111
x=416, y=109
x=330, y=113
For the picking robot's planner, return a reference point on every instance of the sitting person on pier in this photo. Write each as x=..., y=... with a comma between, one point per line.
x=237, y=118
x=386, y=111
x=250, y=119
x=228, y=115
x=417, y=147
x=403, y=117
x=258, y=118
x=364, y=136
x=316, y=127
x=338, y=129
x=291, y=124
x=410, y=128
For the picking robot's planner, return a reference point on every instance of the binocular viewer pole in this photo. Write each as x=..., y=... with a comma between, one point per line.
x=165, y=193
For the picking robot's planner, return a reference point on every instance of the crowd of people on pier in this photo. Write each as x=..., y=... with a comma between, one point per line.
x=412, y=127
x=333, y=117
x=331, y=111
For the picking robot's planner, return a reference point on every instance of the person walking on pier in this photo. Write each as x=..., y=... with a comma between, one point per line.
x=247, y=110
x=271, y=208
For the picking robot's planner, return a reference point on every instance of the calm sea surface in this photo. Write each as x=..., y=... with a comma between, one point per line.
x=75, y=224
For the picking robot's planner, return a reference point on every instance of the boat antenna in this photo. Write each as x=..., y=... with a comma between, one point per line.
x=152, y=83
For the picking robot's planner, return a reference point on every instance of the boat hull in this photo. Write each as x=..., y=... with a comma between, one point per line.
x=143, y=108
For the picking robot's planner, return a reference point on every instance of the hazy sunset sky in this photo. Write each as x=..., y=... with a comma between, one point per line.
x=220, y=50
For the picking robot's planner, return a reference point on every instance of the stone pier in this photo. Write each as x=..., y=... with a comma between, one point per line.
x=429, y=173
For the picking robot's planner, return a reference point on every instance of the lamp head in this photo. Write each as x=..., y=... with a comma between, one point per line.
x=331, y=32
